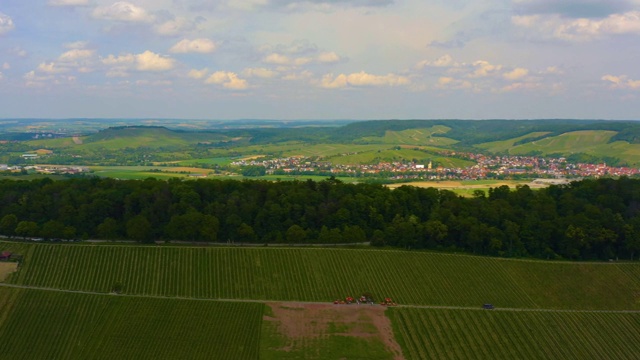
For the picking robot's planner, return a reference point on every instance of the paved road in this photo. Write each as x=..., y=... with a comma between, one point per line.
x=293, y=303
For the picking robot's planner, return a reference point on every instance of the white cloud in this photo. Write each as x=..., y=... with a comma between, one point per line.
x=552, y=70
x=328, y=57
x=581, y=29
x=34, y=80
x=149, y=61
x=521, y=86
x=68, y=2
x=259, y=72
x=621, y=82
x=516, y=74
x=20, y=52
x=1, y=76
x=76, y=54
x=177, y=26
x=446, y=82
x=443, y=61
x=198, y=74
x=50, y=68
x=122, y=11
x=202, y=46
x=303, y=75
x=76, y=45
x=229, y=80
x=279, y=59
x=6, y=66
x=484, y=68
x=330, y=82
x=362, y=79
x=119, y=60
x=6, y=24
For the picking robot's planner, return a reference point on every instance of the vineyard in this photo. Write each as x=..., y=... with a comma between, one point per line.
x=36, y=324
x=288, y=274
x=477, y=334
x=169, y=304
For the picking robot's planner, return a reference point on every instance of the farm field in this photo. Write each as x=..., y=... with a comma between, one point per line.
x=481, y=334
x=324, y=274
x=143, y=172
x=593, y=142
x=506, y=145
x=7, y=268
x=423, y=136
x=85, y=326
x=326, y=331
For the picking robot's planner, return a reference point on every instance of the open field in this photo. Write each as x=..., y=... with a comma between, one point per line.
x=142, y=172
x=303, y=274
x=36, y=324
x=544, y=309
x=422, y=136
x=7, y=268
x=207, y=161
x=506, y=145
x=593, y=142
x=325, y=331
x=479, y=334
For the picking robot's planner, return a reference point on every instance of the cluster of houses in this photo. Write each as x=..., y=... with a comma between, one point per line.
x=46, y=169
x=484, y=167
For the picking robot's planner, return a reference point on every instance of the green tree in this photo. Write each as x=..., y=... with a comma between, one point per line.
x=295, y=234
x=108, y=229
x=52, y=229
x=8, y=225
x=27, y=229
x=139, y=229
x=245, y=233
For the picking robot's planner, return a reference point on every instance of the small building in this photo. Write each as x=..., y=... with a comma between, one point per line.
x=5, y=256
x=29, y=156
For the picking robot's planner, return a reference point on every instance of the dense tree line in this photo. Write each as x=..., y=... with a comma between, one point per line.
x=590, y=219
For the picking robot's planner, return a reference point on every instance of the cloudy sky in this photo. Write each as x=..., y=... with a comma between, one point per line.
x=320, y=59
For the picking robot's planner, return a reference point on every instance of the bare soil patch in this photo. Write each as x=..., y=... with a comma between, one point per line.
x=7, y=268
x=299, y=321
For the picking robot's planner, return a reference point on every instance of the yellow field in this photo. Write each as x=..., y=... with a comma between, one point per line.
x=7, y=268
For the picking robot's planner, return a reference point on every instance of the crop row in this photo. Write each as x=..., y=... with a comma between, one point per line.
x=325, y=274
x=476, y=334
x=55, y=325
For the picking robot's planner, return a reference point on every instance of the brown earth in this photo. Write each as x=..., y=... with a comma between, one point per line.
x=7, y=268
x=307, y=320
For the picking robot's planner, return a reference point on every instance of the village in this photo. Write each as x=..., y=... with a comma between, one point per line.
x=486, y=167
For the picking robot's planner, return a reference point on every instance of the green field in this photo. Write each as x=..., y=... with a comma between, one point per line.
x=507, y=145
x=478, y=334
x=419, y=278
x=36, y=324
x=170, y=304
x=592, y=142
x=421, y=136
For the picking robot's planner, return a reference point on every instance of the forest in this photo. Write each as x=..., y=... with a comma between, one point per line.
x=585, y=220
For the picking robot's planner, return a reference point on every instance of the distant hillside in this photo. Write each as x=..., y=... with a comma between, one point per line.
x=471, y=132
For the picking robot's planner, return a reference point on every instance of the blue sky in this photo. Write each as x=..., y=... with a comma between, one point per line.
x=320, y=59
